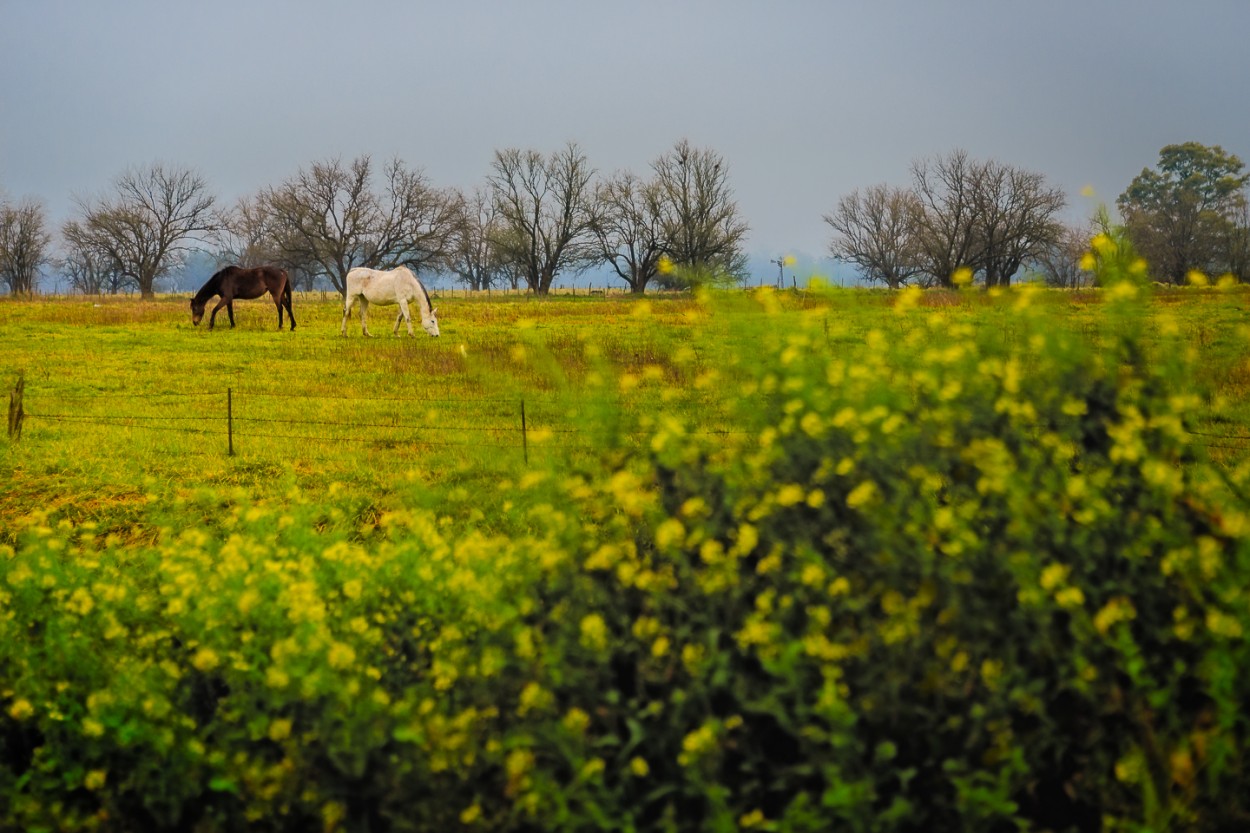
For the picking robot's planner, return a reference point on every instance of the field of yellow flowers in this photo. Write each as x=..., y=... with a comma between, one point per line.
x=802, y=561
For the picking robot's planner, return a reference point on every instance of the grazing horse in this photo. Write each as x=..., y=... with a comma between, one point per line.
x=398, y=286
x=237, y=282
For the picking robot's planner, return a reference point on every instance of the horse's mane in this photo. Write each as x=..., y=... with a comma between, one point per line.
x=429, y=305
x=212, y=286
x=425, y=295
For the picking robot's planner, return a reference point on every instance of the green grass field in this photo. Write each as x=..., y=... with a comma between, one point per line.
x=120, y=393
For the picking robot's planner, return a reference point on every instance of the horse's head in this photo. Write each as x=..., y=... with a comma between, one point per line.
x=197, y=312
x=430, y=322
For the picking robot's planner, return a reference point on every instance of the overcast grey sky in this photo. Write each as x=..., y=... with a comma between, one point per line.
x=805, y=99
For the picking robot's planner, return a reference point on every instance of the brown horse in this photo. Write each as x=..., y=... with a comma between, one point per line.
x=237, y=282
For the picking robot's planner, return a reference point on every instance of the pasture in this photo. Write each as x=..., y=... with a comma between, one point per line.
x=120, y=392
x=916, y=560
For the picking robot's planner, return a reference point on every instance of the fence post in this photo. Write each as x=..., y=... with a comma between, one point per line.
x=524, y=439
x=15, y=410
x=230, y=420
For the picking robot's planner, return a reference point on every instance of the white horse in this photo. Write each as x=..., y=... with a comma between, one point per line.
x=398, y=286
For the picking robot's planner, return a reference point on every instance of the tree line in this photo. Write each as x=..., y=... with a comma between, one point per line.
x=996, y=220
x=539, y=216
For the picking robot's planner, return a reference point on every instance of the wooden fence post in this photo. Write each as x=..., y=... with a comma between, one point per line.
x=524, y=439
x=230, y=420
x=15, y=410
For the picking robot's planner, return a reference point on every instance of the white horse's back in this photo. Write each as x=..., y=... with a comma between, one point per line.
x=394, y=286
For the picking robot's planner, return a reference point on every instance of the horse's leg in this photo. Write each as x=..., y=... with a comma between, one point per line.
x=213, y=317
x=347, y=311
x=404, y=314
x=277, y=302
x=364, y=315
x=230, y=312
x=290, y=313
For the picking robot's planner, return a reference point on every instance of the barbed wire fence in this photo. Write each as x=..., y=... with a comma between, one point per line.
x=500, y=422
x=227, y=422
x=233, y=419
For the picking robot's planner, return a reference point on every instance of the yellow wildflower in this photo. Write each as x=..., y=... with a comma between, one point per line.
x=752, y=819
x=696, y=744
x=279, y=729
x=1119, y=609
x=1054, y=575
x=80, y=602
x=1103, y=244
x=1221, y=624
x=248, y=599
x=277, y=678
x=594, y=632
x=861, y=494
x=533, y=698
x=205, y=659
x=341, y=655
x=1070, y=597
x=576, y=720
x=670, y=534
x=790, y=494
x=748, y=537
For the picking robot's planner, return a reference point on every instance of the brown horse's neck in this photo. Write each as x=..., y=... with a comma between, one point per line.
x=208, y=290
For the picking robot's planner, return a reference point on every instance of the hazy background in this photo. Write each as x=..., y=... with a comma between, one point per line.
x=805, y=100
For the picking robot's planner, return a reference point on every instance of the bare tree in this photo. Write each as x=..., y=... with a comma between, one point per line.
x=250, y=236
x=1013, y=218
x=150, y=222
x=24, y=245
x=946, y=236
x=629, y=229
x=981, y=215
x=702, y=231
x=330, y=216
x=474, y=259
x=90, y=269
x=546, y=210
x=1058, y=260
x=877, y=231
